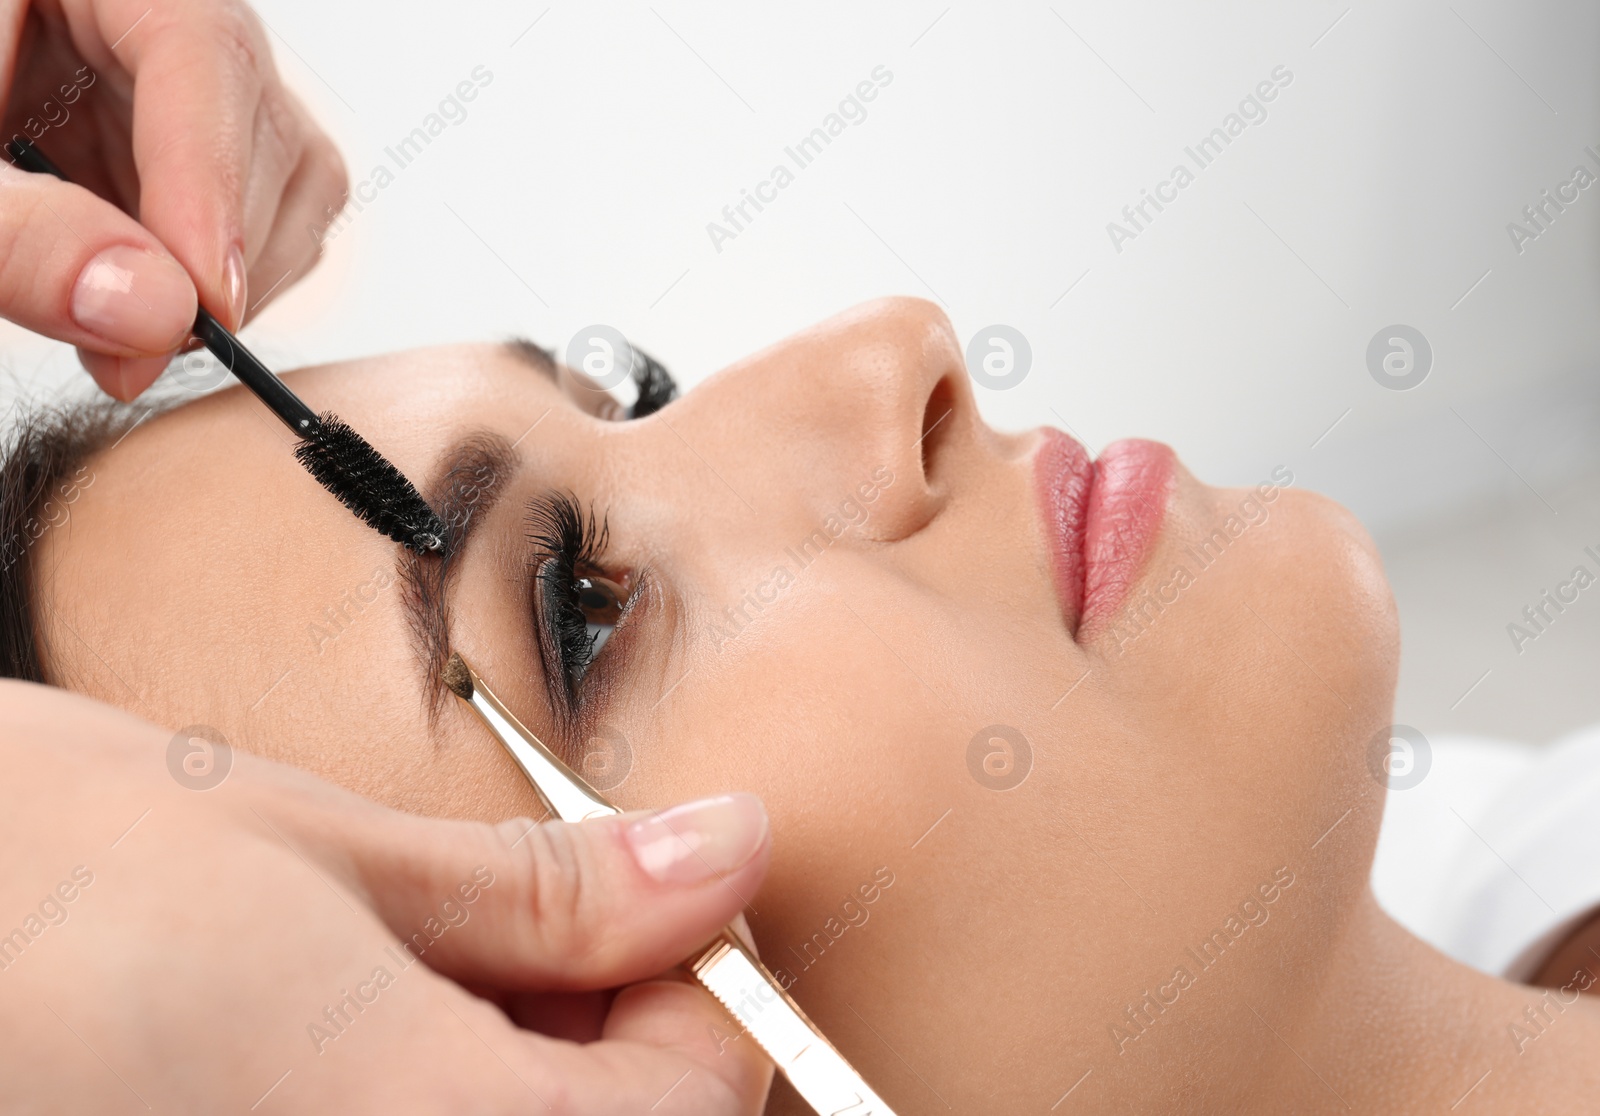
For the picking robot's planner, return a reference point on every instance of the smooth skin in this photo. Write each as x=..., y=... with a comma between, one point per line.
x=195, y=176
x=1176, y=775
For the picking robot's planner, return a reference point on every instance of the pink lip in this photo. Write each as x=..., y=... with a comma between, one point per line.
x=1101, y=517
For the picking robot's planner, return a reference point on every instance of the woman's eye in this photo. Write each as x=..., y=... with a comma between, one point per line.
x=601, y=600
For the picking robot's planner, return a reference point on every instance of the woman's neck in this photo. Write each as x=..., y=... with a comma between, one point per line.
x=1395, y=1026
x=1352, y=1015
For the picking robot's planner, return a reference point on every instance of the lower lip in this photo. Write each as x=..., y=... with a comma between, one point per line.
x=1102, y=518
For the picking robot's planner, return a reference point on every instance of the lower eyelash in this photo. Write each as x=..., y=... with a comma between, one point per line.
x=598, y=634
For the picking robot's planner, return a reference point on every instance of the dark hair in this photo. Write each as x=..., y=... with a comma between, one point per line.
x=42, y=462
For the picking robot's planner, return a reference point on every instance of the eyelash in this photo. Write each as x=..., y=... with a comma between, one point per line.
x=568, y=542
x=656, y=386
x=566, y=539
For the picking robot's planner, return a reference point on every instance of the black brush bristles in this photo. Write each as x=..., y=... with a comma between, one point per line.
x=364, y=481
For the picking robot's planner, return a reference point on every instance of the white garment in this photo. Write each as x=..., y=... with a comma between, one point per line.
x=1494, y=856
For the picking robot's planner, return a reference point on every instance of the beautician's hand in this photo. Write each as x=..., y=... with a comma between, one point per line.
x=172, y=111
x=240, y=948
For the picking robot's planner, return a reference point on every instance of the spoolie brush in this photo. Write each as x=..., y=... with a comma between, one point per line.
x=341, y=460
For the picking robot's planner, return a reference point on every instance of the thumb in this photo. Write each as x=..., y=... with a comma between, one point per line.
x=76, y=268
x=561, y=905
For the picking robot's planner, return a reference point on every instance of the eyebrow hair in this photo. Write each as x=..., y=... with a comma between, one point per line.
x=537, y=357
x=468, y=481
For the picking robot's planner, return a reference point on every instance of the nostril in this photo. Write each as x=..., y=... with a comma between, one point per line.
x=936, y=425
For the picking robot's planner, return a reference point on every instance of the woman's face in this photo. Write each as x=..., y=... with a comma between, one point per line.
x=1029, y=730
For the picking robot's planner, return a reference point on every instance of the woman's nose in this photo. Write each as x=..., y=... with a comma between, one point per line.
x=875, y=398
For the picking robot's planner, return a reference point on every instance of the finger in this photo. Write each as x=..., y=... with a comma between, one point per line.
x=686, y=1019
x=678, y=1071
x=277, y=145
x=76, y=268
x=557, y=906
x=200, y=70
x=311, y=199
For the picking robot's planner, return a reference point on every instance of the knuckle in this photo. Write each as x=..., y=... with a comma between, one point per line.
x=279, y=133
x=321, y=182
x=558, y=868
x=22, y=206
x=237, y=33
x=330, y=176
x=25, y=213
x=320, y=165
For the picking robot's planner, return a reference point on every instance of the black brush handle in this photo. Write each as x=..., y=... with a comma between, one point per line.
x=223, y=345
x=30, y=158
x=254, y=375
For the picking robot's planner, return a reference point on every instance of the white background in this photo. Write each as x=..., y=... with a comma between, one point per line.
x=1235, y=327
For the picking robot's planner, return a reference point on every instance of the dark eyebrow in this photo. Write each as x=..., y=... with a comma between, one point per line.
x=537, y=357
x=466, y=484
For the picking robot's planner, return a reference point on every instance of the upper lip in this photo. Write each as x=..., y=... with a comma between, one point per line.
x=1063, y=481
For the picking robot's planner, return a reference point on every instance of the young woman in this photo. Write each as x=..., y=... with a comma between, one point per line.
x=1067, y=762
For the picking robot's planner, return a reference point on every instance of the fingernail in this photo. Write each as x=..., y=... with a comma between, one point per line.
x=234, y=285
x=134, y=374
x=699, y=840
x=119, y=388
x=134, y=299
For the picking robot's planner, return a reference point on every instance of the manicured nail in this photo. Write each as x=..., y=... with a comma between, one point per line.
x=234, y=286
x=699, y=840
x=134, y=299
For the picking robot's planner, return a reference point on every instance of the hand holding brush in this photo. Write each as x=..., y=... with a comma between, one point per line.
x=201, y=175
x=341, y=460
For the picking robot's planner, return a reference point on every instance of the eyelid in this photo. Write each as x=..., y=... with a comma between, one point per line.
x=590, y=397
